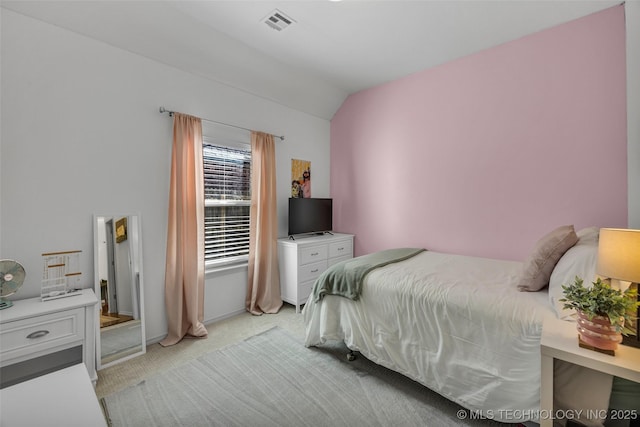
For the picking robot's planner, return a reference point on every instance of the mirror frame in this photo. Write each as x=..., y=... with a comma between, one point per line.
x=97, y=289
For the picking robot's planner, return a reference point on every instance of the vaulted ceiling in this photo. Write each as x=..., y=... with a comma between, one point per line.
x=313, y=53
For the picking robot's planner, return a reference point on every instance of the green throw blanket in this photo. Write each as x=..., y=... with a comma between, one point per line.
x=345, y=278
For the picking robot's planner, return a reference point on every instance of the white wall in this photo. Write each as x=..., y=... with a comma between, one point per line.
x=81, y=134
x=632, y=15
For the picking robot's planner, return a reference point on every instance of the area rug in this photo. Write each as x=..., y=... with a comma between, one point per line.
x=271, y=379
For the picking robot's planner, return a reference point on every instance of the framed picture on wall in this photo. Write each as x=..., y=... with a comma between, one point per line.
x=300, y=179
x=121, y=230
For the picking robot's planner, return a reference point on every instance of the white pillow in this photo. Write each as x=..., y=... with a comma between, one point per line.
x=580, y=260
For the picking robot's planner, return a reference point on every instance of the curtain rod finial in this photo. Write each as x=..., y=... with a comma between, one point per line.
x=164, y=110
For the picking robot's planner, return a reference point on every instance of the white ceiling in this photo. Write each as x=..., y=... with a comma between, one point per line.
x=332, y=49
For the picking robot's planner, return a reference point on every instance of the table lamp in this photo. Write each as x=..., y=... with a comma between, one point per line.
x=619, y=260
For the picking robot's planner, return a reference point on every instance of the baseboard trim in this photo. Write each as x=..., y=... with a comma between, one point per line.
x=224, y=316
x=206, y=322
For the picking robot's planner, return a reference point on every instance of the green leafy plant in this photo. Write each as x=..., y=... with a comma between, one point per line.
x=602, y=300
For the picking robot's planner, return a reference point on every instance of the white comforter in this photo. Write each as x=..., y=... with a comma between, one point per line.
x=456, y=324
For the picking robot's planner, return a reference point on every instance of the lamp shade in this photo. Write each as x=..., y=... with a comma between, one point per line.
x=619, y=254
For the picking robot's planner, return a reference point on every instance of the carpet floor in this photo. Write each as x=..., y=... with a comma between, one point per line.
x=271, y=379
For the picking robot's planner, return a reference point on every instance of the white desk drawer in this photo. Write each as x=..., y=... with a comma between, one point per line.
x=312, y=271
x=342, y=248
x=312, y=254
x=40, y=333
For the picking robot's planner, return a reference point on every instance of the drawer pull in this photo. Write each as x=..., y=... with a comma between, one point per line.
x=341, y=249
x=314, y=271
x=315, y=254
x=37, y=334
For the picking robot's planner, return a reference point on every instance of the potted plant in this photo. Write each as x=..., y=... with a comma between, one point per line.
x=602, y=312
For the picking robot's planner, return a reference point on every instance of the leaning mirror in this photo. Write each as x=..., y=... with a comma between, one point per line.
x=119, y=287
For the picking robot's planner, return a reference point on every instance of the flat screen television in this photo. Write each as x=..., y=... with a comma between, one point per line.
x=310, y=215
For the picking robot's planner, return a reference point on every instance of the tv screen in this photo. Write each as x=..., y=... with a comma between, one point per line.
x=310, y=215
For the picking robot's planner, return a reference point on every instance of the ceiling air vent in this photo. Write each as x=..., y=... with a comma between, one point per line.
x=278, y=20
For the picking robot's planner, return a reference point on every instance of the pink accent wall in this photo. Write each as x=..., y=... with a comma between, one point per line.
x=485, y=154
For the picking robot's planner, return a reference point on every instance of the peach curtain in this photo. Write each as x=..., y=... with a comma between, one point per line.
x=263, y=293
x=184, y=271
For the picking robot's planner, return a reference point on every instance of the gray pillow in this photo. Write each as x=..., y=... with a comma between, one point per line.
x=548, y=250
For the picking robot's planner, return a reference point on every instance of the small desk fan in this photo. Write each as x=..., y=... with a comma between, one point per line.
x=12, y=275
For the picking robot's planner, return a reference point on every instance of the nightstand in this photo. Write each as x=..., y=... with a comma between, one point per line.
x=560, y=342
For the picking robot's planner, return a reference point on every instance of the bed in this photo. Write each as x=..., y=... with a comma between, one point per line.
x=457, y=324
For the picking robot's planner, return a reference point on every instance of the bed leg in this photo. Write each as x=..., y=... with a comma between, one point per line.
x=351, y=356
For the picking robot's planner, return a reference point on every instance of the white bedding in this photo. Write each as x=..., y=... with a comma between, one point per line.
x=454, y=323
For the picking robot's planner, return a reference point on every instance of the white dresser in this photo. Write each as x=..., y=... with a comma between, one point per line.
x=302, y=260
x=38, y=337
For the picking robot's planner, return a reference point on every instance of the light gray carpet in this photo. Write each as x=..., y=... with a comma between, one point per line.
x=271, y=379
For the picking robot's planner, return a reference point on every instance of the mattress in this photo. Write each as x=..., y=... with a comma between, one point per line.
x=456, y=324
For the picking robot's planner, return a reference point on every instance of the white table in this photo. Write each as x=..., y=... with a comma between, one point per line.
x=61, y=398
x=560, y=342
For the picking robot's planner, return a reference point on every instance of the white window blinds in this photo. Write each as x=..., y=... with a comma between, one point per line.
x=227, y=188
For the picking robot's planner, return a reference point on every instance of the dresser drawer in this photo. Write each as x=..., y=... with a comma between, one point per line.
x=305, y=291
x=40, y=333
x=311, y=254
x=311, y=271
x=341, y=248
x=333, y=261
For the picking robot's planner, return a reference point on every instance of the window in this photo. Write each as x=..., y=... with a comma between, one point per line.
x=227, y=189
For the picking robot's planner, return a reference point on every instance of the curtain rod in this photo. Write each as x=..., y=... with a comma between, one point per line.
x=171, y=113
